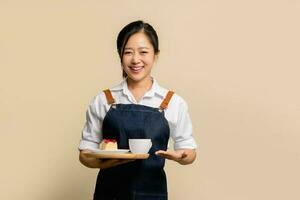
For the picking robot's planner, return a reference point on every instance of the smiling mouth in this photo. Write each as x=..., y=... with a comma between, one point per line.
x=136, y=69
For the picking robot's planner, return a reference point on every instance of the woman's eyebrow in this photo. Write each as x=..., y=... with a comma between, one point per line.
x=138, y=48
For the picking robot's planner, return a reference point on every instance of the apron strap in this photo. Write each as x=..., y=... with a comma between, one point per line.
x=109, y=97
x=166, y=101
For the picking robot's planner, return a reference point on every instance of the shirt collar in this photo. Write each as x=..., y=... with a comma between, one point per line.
x=155, y=89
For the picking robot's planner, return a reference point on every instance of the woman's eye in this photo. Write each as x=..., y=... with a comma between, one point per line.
x=144, y=52
x=128, y=52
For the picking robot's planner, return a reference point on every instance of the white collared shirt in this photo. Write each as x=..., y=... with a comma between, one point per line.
x=176, y=114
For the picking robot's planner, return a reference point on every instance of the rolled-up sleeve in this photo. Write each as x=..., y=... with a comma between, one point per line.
x=183, y=133
x=91, y=133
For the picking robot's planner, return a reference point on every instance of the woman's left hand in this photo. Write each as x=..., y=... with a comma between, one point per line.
x=183, y=156
x=172, y=155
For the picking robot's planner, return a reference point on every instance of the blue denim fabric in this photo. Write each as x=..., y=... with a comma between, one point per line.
x=141, y=179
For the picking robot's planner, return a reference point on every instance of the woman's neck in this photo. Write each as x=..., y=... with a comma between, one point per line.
x=139, y=88
x=142, y=85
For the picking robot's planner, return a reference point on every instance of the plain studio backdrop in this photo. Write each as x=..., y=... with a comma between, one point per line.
x=236, y=63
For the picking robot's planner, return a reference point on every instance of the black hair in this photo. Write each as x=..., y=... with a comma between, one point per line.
x=132, y=28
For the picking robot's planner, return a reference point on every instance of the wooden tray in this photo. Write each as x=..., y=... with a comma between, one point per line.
x=117, y=155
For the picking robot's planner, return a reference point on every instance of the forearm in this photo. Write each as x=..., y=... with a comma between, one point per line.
x=88, y=162
x=189, y=158
x=103, y=164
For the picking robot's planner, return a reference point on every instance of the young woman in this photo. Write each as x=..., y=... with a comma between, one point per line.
x=142, y=109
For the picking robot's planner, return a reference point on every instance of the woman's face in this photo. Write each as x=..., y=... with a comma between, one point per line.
x=138, y=57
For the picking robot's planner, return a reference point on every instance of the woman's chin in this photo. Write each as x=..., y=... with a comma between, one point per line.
x=136, y=77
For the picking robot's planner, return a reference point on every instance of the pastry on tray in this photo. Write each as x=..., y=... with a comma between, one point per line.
x=109, y=144
x=108, y=149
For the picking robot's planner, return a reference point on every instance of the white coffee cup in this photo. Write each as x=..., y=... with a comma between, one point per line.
x=140, y=145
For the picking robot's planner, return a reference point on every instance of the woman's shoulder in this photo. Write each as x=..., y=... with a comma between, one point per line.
x=176, y=100
x=99, y=98
x=176, y=108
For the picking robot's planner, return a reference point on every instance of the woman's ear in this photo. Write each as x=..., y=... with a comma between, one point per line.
x=156, y=56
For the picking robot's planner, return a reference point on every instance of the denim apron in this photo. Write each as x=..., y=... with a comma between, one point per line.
x=140, y=179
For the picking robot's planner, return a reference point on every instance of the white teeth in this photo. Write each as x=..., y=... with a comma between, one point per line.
x=136, y=68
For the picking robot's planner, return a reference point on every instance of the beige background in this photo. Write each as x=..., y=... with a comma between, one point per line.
x=235, y=62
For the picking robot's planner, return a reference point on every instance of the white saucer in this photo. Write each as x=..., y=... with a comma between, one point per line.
x=118, y=151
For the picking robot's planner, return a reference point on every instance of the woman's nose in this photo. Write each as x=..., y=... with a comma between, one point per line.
x=135, y=58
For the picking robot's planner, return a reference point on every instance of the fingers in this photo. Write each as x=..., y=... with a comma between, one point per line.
x=120, y=162
x=104, y=164
x=160, y=151
x=165, y=154
x=124, y=161
x=172, y=155
x=184, y=155
x=109, y=163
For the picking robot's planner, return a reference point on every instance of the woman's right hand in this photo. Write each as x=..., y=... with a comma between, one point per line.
x=107, y=163
x=100, y=163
